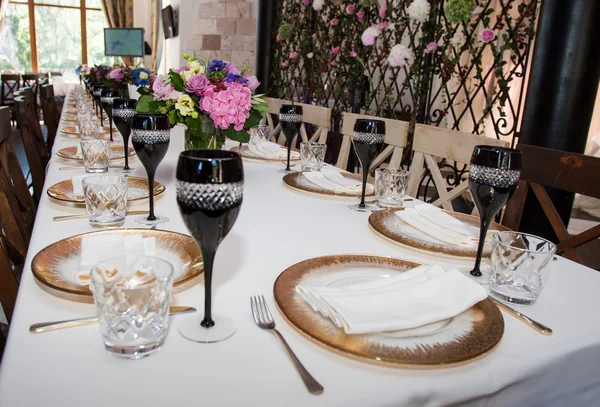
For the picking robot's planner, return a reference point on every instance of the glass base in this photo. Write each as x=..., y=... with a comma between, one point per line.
x=286, y=171
x=134, y=352
x=143, y=220
x=191, y=329
x=512, y=300
x=368, y=207
x=125, y=171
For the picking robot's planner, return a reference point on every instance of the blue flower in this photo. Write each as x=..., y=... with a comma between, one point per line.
x=78, y=70
x=236, y=78
x=216, y=65
x=145, y=80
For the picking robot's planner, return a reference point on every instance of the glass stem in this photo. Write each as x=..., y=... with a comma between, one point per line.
x=288, y=158
x=101, y=117
x=483, y=228
x=208, y=257
x=110, y=128
x=151, y=194
x=126, y=144
x=364, y=188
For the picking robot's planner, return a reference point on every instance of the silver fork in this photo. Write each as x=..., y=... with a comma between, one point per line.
x=264, y=319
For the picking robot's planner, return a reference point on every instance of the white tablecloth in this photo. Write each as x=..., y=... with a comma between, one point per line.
x=277, y=228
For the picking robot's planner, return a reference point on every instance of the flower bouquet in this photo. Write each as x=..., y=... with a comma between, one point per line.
x=120, y=77
x=214, y=100
x=82, y=70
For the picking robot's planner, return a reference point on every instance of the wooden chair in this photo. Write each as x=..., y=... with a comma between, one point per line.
x=571, y=172
x=9, y=284
x=33, y=149
x=396, y=136
x=9, y=165
x=50, y=112
x=316, y=115
x=34, y=122
x=430, y=143
x=32, y=80
x=10, y=84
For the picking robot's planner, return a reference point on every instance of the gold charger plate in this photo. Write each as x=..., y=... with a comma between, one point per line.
x=245, y=153
x=462, y=338
x=137, y=189
x=56, y=265
x=392, y=228
x=70, y=153
x=73, y=130
x=295, y=180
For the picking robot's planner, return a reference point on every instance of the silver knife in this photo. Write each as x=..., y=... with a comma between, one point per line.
x=70, y=323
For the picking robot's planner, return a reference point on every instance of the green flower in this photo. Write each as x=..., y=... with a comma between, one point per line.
x=285, y=31
x=459, y=10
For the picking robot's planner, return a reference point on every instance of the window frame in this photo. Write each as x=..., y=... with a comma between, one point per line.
x=32, y=34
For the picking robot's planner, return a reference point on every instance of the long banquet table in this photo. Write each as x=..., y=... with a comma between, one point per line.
x=277, y=228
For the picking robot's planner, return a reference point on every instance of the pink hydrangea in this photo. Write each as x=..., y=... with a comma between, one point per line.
x=360, y=15
x=487, y=35
x=293, y=55
x=382, y=10
x=163, y=90
x=117, y=74
x=432, y=46
x=197, y=84
x=350, y=9
x=228, y=107
x=252, y=81
x=334, y=21
x=335, y=50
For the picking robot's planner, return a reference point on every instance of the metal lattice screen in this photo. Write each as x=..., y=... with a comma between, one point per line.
x=440, y=67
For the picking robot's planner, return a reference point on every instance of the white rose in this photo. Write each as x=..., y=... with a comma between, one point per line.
x=399, y=55
x=318, y=4
x=419, y=10
x=309, y=55
x=143, y=75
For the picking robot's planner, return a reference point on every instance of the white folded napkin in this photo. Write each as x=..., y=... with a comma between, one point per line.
x=442, y=227
x=270, y=150
x=331, y=179
x=78, y=185
x=418, y=297
x=97, y=248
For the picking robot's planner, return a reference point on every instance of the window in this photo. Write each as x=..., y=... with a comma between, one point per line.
x=52, y=35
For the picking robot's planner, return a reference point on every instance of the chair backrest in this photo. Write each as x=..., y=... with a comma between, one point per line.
x=396, y=136
x=9, y=165
x=33, y=118
x=545, y=167
x=32, y=148
x=316, y=115
x=9, y=285
x=10, y=84
x=431, y=143
x=50, y=112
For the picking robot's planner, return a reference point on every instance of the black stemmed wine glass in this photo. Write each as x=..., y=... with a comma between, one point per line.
x=150, y=136
x=210, y=187
x=106, y=98
x=493, y=176
x=122, y=114
x=290, y=120
x=96, y=93
x=368, y=140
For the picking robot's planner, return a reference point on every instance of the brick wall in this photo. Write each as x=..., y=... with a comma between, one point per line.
x=223, y=29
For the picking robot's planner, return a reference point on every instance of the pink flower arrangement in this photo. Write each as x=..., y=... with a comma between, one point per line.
x=350, y=9
x=117, y=74
x=201, y=93
x=432, y=46
x=487, y=35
